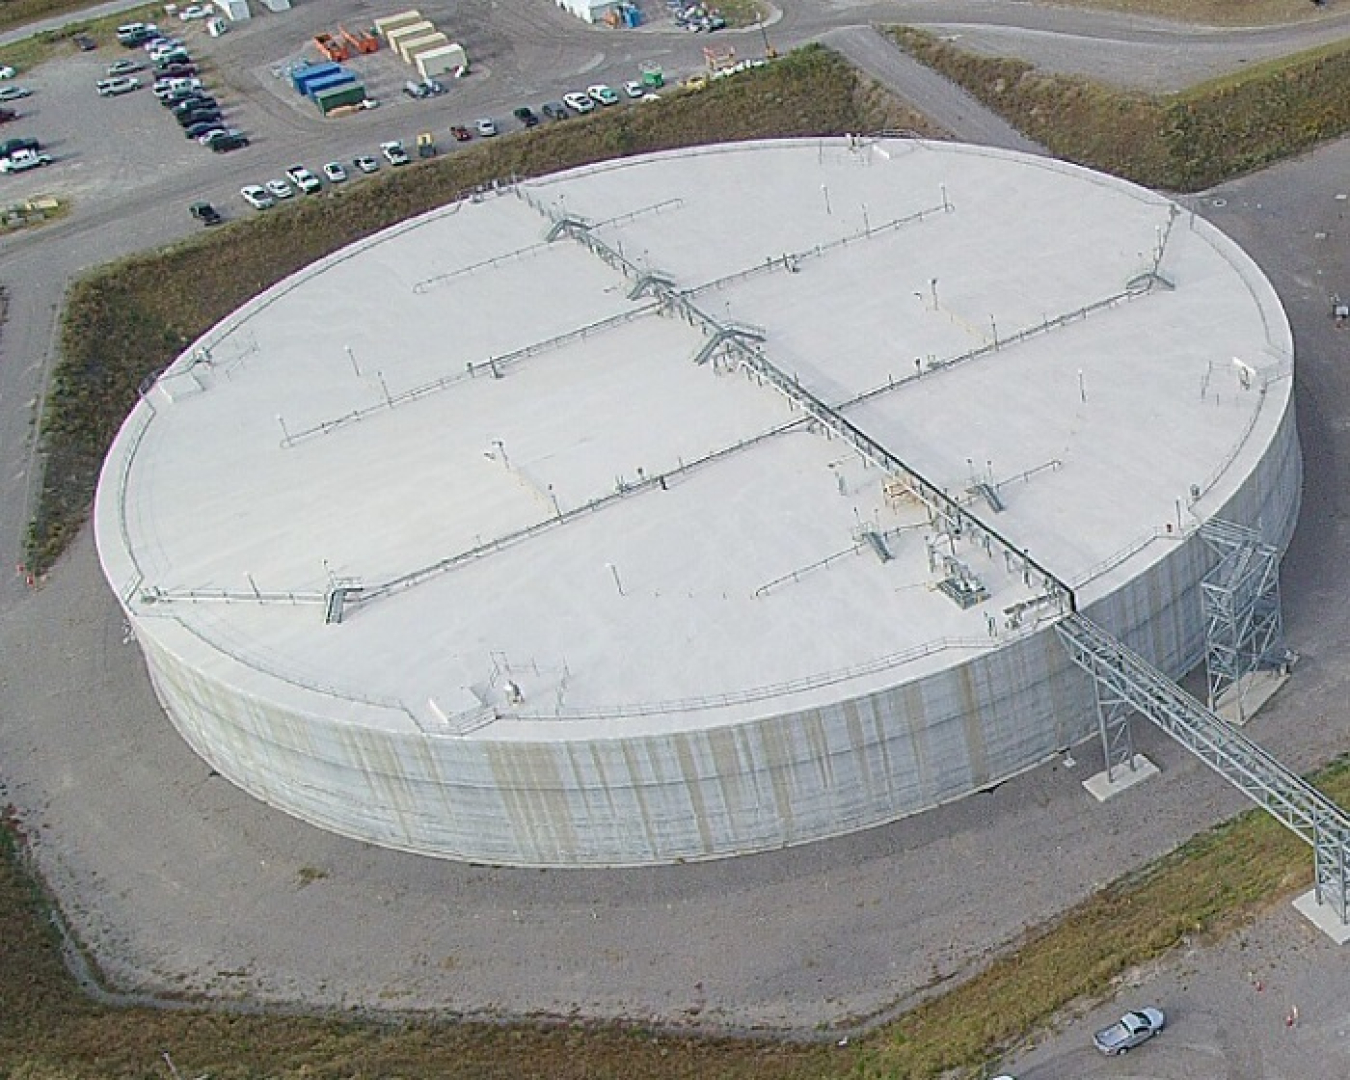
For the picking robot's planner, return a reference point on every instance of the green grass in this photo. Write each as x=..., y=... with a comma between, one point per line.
x=32, y=51
x=1186, y=141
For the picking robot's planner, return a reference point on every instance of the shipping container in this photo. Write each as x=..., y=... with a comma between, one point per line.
x=408, y=48
x=303, y=76
x=384, y=27
x=408, y=33
x=339, y=97
x=446, y=60
x=329, y=82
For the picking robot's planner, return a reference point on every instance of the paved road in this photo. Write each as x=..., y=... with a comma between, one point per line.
x=943, y=102
x=178, y=881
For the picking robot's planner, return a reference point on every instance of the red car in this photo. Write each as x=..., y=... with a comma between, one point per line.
x=461, y=133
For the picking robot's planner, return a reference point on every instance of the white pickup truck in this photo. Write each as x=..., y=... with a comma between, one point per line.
x=23, y=160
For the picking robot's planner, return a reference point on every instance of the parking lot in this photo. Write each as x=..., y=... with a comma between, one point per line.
x=117, y=150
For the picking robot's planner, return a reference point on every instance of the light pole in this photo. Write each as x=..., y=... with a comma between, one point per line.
x=769, y=54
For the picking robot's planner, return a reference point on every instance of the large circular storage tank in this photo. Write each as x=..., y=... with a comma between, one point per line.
x=590, y=521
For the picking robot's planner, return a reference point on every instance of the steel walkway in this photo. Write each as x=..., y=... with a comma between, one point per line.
x=1123, y=676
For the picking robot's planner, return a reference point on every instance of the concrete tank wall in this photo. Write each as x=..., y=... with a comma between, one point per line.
x=701, y=794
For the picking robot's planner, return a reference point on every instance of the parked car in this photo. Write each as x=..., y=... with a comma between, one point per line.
x=256, y=196
x=578, y=102
x=10, y=147
x=1129, y=1031
x=7, y=72
x=279, y=189
x=84, y=43
x=634, y=89
x=602, y=94
x=416, y=90
x=6, y=115
x=133, y=35
x=303, y=179
x=23, y=160
x=394, y=153
x=194, y=11
x=124, y=67
x=183, y=100
x=554, y=110
x=487, y=127
x=176, y=71
x=460, y=132
x=334, y=173
x=211, y=134
x=526, y=116
x=122, y=84
x=14, y=93
x=193, y=100
x=200, y=128
x=205, y=213
x=131, y=30
x=366, y=163
x=231, y=140
x=200, y=116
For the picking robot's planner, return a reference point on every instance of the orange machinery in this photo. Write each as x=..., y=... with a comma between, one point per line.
x=334, y=48
x=363, y=41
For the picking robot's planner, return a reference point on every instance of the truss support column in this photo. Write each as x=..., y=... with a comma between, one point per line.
x=1330, y=886
x=1113, y=725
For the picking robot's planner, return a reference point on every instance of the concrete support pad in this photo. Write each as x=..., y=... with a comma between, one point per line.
x=1323, y=916
x=1101, y=788
x=1244, y=699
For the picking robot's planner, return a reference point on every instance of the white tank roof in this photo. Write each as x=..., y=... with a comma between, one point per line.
x=1121, y=365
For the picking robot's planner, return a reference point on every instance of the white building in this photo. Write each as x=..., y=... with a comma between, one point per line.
x=590, y=10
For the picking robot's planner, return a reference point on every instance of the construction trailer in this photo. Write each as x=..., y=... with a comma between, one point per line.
x=446, y=60
x=234, y=10
x=277, y=5
x=339, y=98
x=301, y=77
x=409, y=48
x=332, y=47
x=410, y=32
x=384, y=27
x=330, y=82
x=363, y=41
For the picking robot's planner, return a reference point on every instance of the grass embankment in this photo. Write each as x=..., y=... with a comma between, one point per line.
x=128, y=320
x=49, y=1031
x=1185, y=141
x=44, y=45
x=1213, y=12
